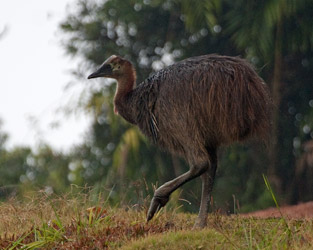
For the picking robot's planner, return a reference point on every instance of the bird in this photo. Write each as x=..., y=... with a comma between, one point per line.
x=191, y=108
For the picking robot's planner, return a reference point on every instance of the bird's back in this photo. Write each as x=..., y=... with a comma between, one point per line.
x=205, y=100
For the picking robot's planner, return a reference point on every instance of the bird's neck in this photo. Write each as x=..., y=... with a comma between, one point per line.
x=125, y=85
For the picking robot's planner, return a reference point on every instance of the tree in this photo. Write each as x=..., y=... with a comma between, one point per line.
x=3, y=137
x=22, y=170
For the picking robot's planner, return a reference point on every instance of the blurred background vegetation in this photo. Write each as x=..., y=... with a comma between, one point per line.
x=276, y=36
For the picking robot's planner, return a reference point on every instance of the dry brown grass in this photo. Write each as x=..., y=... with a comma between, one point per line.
x=71, y=223
x=66, y=223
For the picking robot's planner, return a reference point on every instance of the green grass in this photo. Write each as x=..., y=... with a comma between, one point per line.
x=77, y=222
x=235, y=233
x=206, y=239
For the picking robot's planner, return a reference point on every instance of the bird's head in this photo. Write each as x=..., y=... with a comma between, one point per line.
x=113, y=67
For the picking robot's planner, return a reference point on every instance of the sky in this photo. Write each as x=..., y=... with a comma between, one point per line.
x=34, y=71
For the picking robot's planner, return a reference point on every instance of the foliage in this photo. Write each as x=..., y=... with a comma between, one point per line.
x=22, y=170
x=115, y=158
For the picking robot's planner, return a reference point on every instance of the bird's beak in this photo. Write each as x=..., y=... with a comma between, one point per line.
x=105, y=70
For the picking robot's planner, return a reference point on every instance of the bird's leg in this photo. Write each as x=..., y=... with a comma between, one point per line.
x=207, y=186
x=201, y=220
x=162, y=194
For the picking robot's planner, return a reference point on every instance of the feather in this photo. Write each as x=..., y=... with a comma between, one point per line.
x=154, y=128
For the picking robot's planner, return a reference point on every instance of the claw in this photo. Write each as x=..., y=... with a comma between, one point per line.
x=155, y=205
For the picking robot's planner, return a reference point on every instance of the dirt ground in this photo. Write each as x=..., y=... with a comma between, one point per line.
x=300, y=211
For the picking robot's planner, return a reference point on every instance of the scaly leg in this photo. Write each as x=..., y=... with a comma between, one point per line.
x=162, y=194
x=207, y=186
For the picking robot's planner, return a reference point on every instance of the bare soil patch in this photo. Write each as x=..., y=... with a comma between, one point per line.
x=300, y=211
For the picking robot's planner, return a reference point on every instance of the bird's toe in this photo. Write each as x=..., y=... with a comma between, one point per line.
x=155, y=205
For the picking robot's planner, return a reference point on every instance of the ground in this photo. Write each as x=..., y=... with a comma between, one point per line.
x=80, y=222
x=300, y=211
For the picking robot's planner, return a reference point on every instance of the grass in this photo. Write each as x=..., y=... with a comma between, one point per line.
x=76, y=222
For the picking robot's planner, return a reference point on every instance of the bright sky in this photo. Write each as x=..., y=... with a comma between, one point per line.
x=33, y=73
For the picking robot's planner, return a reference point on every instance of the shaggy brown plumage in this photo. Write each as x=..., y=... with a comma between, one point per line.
x=191, y=108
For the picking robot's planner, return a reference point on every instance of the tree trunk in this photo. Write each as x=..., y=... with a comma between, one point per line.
x=273, y=171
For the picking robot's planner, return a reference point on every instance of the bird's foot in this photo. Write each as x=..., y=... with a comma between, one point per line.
x=201, y=222
x=156, y=203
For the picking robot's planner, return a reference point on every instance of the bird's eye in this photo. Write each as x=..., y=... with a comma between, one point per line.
x=116, y=66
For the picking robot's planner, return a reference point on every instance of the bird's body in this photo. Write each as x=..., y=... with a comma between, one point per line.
x=199, y=102
x=191, y=108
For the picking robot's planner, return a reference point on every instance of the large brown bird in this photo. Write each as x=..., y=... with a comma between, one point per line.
x=191, y=108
